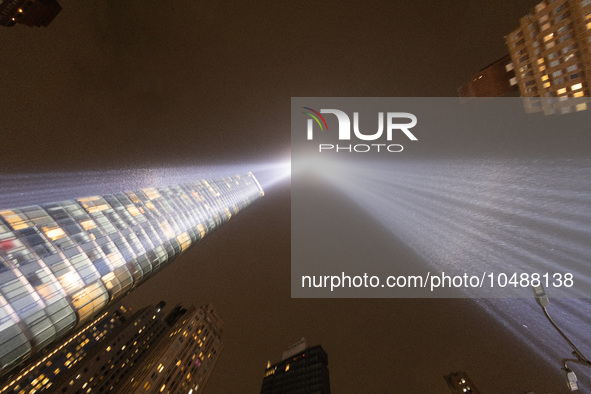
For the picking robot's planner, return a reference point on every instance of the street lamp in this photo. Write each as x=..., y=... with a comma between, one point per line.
x=571, y=378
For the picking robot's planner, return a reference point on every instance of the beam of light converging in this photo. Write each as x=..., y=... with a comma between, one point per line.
x=272, y=175
x=481, y=215
x=524, y=319
x=29, y=189
x=490, y=215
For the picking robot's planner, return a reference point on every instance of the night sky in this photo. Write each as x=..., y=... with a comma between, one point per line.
x=144, y=84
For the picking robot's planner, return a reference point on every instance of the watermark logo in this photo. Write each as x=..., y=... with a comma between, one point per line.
x=395, y=122
x=316, y=116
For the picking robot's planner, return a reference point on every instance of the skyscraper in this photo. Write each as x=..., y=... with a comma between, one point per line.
x=302, y=370
x=184, y=359
x=114, y=362
x=62, y=263
x=551, y=54
x=124, y=352
x=86, y=360
x=28, y=12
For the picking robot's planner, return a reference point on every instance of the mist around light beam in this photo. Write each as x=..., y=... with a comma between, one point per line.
x=489, y=215
x=17, y=190
x=479, y=215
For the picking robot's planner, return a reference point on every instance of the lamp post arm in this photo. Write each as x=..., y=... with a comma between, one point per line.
x=581, y=358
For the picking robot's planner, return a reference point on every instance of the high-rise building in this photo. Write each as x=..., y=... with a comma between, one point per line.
x=44, y=372
x=88, y=358
x=551, y=54
x=302, y=370
x=28, y=12
x=63, y=263
x=183, y=361
x=121, y=352
x=114, y=362
x=495, y=80
x=460, y=383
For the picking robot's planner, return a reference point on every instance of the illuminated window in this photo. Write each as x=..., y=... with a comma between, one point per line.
x=545, y=78
x=579, y=94
x=548, y=37
x=581, y=107
x=576, y=86
x=547, y=84
x=561, y=91
x=287, y=368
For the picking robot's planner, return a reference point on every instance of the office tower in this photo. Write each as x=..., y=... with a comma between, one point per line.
x=28, y=12
x=460, y=383
x=63, y=263
x=495, y=80
x=551, y=54
x=183, y=361
x=302, y=370
x=87, y=360
x=118, y=351
x=111, y=365
x=43, y=373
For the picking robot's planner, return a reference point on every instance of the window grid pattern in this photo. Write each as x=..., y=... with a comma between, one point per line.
x=551, y=53
x=61, y=263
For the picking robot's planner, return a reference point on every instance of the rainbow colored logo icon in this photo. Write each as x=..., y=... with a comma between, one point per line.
x=316, y=115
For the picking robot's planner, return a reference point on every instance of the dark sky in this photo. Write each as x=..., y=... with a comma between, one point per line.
x=139, y=84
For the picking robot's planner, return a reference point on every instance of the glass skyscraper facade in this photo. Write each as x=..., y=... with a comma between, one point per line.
x=61, y=263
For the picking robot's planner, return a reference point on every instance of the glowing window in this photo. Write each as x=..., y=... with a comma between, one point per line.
x=576, y=86
x=54, y=233
x=561, y=91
